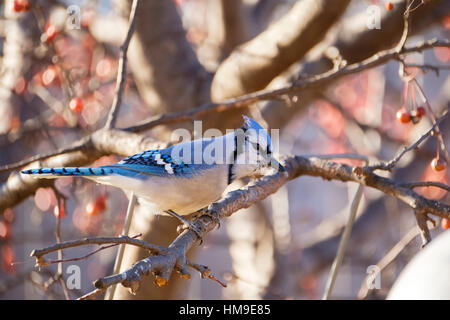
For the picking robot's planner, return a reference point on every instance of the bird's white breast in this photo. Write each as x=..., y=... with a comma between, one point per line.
x=187, y=195
x=184, y=195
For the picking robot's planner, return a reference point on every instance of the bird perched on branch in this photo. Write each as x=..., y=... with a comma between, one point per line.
x=185, y=177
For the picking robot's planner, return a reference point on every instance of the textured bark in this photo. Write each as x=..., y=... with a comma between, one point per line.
x=165, y=68
x=256, y=63
x=234, y=24
x=155, y=229
x=174, y=259
x=356, y=42
x=16, y=54
x=170, y=78
x=18, y=187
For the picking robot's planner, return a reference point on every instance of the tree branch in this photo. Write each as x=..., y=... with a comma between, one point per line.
x=426, y=184
x=391, y=164
x=254, y=64
x=293, y=89
x=122, y=69
x=100, y=143
x=38, y=254
x=162, y=265
x=104, y=142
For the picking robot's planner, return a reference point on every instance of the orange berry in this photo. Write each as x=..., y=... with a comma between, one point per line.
x=21, y=5
x=17, y=6
x=26, y=5
x=76, y=104
x=389, y=6
x=421, y=111
x=8, y=257
x=438, y=164
x=4, y=229
x=91, y=209
x=59, y=211
x=50, y=33
x=97, y=206
x=49, y=76
x=403, y=116
x=445, y=223
x=100, y=202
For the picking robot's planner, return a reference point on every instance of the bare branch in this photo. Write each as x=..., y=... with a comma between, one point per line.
x=255, y=63
x=205, y=272
x=427, y=67
x=122, y=69
x=100, y=143
x=175, y=257
x=391, y=164
x=386, y=260
x=91, y=295
x=38, y=254
x=426, y=184
x=79, y=145
x=89, y=254
x=293, y=89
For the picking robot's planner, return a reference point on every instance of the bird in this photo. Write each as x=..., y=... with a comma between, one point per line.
x=185, y=177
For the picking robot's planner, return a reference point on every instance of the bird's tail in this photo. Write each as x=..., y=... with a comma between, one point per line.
x=50, y=173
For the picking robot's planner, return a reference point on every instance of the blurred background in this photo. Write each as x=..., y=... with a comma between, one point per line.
x=57, y=84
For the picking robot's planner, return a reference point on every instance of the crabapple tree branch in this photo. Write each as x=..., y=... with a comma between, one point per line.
x=122, y=69
x=292, y=89
x=162, y=265
x=254, y=64
x=38, y=254
x=121, y=142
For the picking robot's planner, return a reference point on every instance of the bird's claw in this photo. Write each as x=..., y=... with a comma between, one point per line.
x=213, y=215
x=193, y=228
x=186, y=225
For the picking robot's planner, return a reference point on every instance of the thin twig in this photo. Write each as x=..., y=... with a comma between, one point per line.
x=343, y=244
x=386, y=260
x=61, y=207
x=391, y=164
x=126, y=228
x=426, y=67
x=348, y=227
x=122, y=68
x=173, y=257
x=294, y=88
x=89, y=254
x=426, y=184
x=80, y=145
x=205, y=272
x=245, y=100
x=437, y=132
x=401, y=44
x=91, y=294
x=38, y=254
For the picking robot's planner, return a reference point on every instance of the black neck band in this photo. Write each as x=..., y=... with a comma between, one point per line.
x=230, y=166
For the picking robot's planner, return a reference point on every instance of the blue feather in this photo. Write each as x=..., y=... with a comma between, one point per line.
x=152, y=162
x=70, y=171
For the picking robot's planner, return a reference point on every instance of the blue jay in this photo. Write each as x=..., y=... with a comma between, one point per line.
x=185, y=177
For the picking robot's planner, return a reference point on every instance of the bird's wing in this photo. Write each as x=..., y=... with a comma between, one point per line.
x=153, y=162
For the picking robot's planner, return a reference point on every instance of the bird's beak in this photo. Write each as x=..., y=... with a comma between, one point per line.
x=276, y=165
